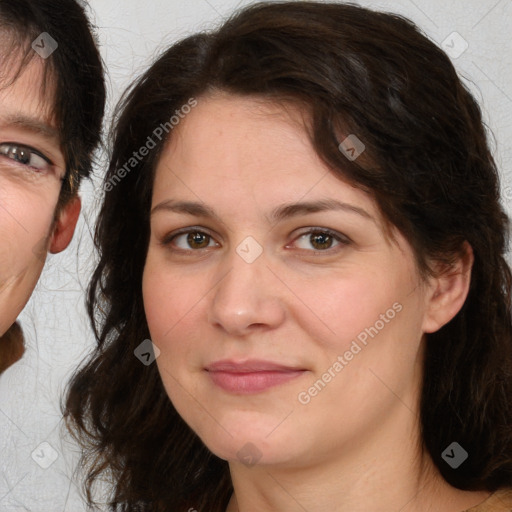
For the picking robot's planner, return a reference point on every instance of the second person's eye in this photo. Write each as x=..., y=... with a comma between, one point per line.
x=25, y=155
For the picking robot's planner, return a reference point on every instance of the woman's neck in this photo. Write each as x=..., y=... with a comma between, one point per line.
x=382, y=472
x=270, y=491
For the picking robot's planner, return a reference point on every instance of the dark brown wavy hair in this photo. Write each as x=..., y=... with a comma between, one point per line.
x=428, y=166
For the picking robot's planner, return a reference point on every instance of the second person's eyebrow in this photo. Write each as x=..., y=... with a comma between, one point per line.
x=32, y=125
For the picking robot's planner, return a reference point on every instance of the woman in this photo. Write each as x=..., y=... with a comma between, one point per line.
x=286, y=218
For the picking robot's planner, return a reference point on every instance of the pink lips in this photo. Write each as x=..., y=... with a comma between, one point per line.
x=251, y=376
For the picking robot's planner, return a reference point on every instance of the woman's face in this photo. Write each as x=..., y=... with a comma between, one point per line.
x=31, y=168
x=289, y=326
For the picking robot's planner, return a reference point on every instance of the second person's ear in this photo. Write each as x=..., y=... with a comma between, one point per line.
x=65, y=225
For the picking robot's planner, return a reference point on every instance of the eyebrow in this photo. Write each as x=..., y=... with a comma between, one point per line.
x=278, y=214
x=31, y=124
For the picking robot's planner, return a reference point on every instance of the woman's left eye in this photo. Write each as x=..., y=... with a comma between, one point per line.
x=25, y=155
x=320, y=240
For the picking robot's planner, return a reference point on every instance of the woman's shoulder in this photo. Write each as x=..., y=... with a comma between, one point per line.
x=499, y=501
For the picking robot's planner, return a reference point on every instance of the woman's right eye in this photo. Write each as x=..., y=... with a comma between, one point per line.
x=191, y=240
x=25, y=155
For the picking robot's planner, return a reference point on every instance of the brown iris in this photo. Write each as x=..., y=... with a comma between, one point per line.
x=321, y=240
x=198, y=240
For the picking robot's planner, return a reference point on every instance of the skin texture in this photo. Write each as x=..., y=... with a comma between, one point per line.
x=29, y=191
x=354, y=445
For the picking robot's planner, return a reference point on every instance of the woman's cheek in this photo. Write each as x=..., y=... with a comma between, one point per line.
x=168, y=298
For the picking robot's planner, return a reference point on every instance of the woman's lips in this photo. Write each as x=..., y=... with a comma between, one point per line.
x=250, y=376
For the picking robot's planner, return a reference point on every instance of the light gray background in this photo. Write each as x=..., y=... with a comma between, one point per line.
x=55, y=324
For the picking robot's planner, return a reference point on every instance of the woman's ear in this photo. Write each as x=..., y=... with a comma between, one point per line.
x=65, y=225
x=448, y=291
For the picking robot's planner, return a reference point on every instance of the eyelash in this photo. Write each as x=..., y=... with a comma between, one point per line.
x=341, y=239
x=22, y=147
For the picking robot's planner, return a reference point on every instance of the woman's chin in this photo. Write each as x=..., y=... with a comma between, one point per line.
x=249, y=453
x=250, y=446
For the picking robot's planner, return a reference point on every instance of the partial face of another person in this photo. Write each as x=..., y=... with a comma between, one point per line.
x=278, y=303
x=32, y=167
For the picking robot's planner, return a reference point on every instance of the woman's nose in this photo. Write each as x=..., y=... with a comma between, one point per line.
x=249, y=297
